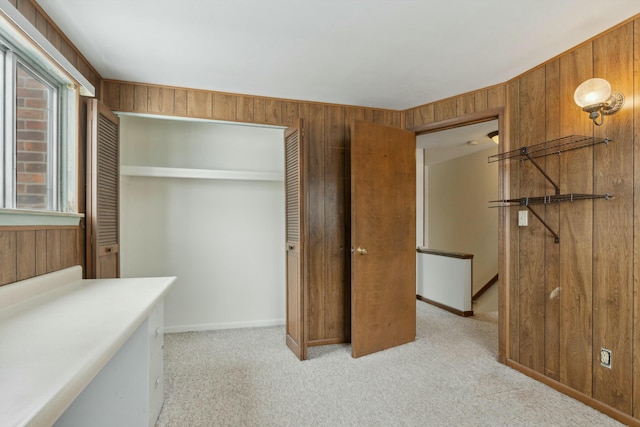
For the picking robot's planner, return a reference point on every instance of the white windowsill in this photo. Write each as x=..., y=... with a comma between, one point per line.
x=13, y=217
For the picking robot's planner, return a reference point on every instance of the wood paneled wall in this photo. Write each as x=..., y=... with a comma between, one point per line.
x=327, y=130
x=449, y=109
x=568, y=300
x=26, y=252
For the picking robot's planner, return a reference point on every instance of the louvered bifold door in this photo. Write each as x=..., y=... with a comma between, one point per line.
x=294, y=240
x=103, y=171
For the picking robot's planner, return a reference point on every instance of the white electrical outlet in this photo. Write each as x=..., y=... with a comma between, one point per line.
x=523, y=218
x=605, y=357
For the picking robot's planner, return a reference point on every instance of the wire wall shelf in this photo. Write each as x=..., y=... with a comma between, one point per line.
x=555, y=146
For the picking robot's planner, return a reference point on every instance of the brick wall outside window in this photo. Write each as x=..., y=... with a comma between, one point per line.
x=32, y=129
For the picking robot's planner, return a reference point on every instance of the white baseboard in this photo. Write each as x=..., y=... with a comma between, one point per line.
x=216, y=326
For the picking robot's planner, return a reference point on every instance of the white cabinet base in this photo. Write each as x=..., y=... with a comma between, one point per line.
x=118, y=395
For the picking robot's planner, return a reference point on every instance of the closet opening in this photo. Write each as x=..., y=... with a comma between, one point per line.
x=204, y=201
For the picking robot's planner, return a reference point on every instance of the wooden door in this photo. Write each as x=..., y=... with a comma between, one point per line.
x=383, y=237
x=294, y=189
x=103, y=183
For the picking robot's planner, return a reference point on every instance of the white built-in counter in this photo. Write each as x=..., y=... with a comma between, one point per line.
x=83, y=352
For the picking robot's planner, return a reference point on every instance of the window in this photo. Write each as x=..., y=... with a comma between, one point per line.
x=35, y=150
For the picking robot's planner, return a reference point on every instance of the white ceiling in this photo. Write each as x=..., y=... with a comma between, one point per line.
x=392, y=54
x=457, y=142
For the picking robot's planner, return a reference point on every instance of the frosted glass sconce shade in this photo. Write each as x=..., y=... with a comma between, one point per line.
x=494, y=136
x=596, y=98
x=592, y=92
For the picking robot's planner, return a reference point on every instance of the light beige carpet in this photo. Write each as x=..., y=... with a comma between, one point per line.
x=448, y=377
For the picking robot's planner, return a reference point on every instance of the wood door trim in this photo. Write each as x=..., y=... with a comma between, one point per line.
x=465, y=120
x=500, y=113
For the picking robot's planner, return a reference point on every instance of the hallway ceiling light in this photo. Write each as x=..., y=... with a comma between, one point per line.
x=596, y=98
x=494, y=136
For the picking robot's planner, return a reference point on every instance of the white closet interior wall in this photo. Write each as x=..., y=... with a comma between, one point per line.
x=222, y=238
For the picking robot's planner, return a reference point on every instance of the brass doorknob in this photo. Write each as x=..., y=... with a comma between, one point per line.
x=361, y=251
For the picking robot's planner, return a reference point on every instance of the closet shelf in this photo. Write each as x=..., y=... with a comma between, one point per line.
x=164, y=172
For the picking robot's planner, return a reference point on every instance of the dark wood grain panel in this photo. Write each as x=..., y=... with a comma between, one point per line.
x=576, y=230
x=259, y=110
x=423, y=115
x=408, y=118
x=273, y=112
x=316, y=246
x=379, y=117
x=533, y=237
x=480, y=100
x=8, y=253
x=69, y=52
x=446, y=109
x=496, y=96
x=53, y=36
x=41, y=252
x=140, y=99
x=290, y=112
x=161, y=100
x=28, y=251
x=636, y=225
x=181, y=101
x=41, y=23
x=552, y=216
x=244, y=109
x=465, y=104
x=27, y=9
x=127, y=97
x=612, y=242
x=336, y=278
x=512, y=283
x=68, y=248
x=112, y=95
x=225, y=106
x=127, y=100
x=393, y=119
x=368, y=114
x=54, y=256
x=200, y=104
x=26, y=254
x=351, y=115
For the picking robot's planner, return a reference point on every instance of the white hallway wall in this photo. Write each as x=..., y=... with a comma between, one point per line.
x=223, y=239
x=459, y=219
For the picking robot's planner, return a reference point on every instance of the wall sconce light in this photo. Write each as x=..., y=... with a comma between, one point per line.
x=494, y=136
x=595, y=97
